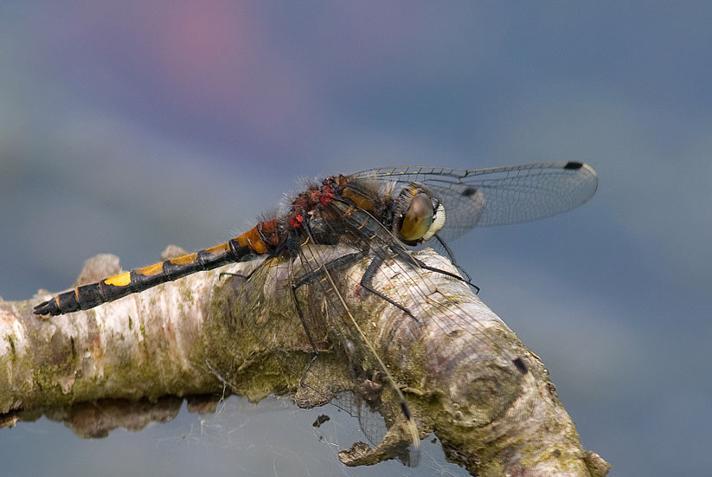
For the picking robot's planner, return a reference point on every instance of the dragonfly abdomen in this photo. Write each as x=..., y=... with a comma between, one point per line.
x=256, y=241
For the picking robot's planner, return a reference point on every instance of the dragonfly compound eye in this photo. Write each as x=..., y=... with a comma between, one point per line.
x=421, y=220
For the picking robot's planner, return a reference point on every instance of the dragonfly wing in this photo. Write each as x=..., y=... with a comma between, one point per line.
x=500, y=195
x=344, y=323
x=446, y=316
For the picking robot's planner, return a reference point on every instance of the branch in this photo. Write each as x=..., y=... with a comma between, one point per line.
x=205, y=334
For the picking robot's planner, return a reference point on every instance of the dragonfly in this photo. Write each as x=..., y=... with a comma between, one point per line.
x=383, y=214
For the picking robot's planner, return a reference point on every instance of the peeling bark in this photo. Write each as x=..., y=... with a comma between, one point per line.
x=205, y=334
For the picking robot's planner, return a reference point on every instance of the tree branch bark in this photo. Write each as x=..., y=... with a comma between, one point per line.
x=204, y=334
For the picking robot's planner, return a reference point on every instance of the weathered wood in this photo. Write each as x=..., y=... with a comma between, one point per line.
x=205, y=333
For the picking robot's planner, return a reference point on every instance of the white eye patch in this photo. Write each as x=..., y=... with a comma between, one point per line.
x=438, y=222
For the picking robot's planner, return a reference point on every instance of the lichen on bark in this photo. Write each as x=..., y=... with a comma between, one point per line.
x=209, y=333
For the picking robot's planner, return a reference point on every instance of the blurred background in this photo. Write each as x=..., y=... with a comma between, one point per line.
x=126, y=126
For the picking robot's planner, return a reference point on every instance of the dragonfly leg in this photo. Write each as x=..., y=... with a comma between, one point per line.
x=366, y=280
x=340, y=263
x=238, y=275
x=367, y=284
x=451, y=256
x=424, y=266
x=293, y=289
x=405, y=256
x=293, y=286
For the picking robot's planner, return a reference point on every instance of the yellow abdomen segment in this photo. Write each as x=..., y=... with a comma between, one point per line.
x=120, y=280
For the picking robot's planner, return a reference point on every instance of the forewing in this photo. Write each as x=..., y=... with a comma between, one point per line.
x=500, y=195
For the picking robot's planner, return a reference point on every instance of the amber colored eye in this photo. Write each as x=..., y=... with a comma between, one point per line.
x=417, y=220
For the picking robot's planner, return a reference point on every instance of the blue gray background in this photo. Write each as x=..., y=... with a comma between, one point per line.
x=126, y=126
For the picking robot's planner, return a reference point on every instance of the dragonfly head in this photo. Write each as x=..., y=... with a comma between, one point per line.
x=418, y=216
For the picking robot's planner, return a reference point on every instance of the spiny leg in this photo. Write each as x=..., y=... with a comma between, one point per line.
x=425, y=266
x=303, y=321
x=339, y=263
x=307, y=278
x=342, y=262
x=293, y=291
x=367, y=284
x=405, y=256
x=241, y=275
x=451, y=256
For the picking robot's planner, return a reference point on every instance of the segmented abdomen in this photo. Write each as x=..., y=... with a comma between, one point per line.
x=137, y=280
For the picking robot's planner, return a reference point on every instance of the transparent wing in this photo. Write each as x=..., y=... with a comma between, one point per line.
x=500, y=195
x=344, y=325
x=365, y=228
x=430, y=312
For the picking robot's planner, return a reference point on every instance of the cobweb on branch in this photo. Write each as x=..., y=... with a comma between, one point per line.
x=275, y=438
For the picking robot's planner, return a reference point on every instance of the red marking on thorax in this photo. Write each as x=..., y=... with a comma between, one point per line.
x=327, y=195
x=311, y=199
x=296, y=221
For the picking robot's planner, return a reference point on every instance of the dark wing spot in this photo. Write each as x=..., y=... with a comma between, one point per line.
x=469, y=192
x=521, y=365
x=573, y=165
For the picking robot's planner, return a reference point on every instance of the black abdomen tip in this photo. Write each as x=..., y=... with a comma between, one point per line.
x=47, y=308
x=571, y=165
